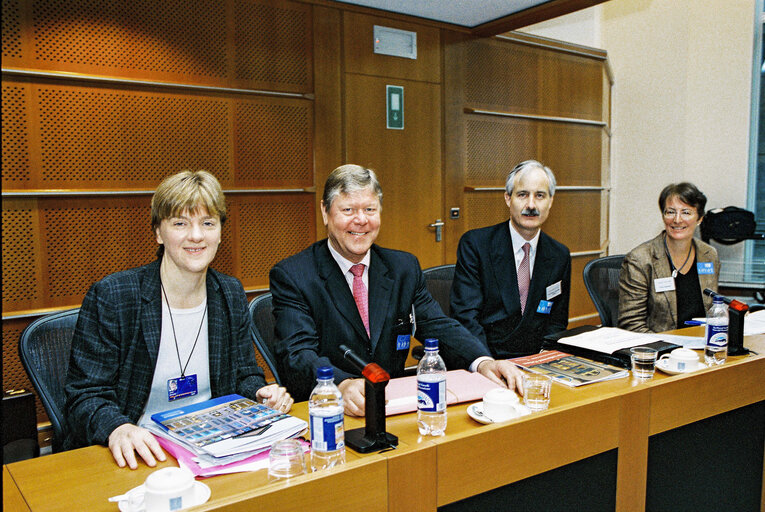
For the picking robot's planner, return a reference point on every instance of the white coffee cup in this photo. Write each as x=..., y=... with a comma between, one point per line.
x=165, y=490
x=681, y=359
x=501, y=404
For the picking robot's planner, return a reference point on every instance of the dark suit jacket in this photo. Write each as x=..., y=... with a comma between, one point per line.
x=485, y=296
x=315, y=313
x=116, y=342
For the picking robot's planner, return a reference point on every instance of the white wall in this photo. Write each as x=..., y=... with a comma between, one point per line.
x=680, y=105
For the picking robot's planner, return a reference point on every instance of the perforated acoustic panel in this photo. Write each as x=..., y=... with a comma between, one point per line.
x=230, y=43
x=11, y=30
x=506, y=76
x=274, y=142
x=83, y=244
x=21, y=279
x=495, y=145
x=16, y=164
x=91, y=137
x=273, y=43
x=273, y=228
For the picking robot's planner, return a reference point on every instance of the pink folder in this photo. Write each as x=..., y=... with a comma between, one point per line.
x=461, y=386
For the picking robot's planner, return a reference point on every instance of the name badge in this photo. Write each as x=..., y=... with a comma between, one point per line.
x=664, y=284
x=552, y=291
x=545, y=306
x=402, y=342
x=182, y=387
x=705, y=267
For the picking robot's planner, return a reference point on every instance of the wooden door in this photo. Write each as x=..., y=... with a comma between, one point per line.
x=407, y=162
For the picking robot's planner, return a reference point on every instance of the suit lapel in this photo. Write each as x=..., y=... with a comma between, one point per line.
x=151, y=312
x=540, y=276
x=217, y=330
x=503, y=265
x=661, y=269
x=380, y=286
x=337, y=288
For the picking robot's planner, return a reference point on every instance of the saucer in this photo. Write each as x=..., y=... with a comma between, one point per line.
x=663, y=365
x=201, y=495
x=475, y=411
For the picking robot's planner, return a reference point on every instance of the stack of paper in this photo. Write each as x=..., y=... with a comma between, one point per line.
x=223, y=431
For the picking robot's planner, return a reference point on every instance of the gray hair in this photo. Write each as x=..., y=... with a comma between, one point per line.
x=347, y=179
x=524, y=167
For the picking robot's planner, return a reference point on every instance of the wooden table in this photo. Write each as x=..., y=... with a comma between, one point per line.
x=425, y=473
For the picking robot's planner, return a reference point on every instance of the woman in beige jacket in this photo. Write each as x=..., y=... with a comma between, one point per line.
x=661, y=280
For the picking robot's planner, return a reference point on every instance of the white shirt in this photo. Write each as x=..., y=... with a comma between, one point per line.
x=518, y=242
x=186, y=327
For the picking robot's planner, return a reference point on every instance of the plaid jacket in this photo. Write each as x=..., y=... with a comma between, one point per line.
x=115, y=346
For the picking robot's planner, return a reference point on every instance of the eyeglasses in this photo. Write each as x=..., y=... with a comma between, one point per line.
x=684, y=214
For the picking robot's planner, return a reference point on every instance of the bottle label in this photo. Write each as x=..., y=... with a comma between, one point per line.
x=327, y=433
x=717, y=335
x=431, y=396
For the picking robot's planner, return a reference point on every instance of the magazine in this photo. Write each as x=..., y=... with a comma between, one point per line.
x=226, y=426
x=569, y=369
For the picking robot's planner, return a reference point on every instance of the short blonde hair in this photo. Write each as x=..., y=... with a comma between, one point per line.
x=347, y=179
x=187, y=191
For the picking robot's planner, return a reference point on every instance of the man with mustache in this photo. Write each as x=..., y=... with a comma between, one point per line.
x=512, y=281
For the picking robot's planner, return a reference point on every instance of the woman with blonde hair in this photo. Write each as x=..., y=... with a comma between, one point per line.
x=164, y=335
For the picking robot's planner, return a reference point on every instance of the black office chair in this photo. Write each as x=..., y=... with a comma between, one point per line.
x=44, y=351
x=439, y=283
x=262, y=330
x=601, y=277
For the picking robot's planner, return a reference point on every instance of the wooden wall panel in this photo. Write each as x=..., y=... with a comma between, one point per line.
x=512, y=77
x=494, y=145
x=521, y=100
x=273, y=45
x=96, y=137
x=358, y=38
x=232, y=43
x=574, y=217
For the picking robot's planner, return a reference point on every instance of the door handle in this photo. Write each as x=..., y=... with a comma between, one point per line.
x=439, y=225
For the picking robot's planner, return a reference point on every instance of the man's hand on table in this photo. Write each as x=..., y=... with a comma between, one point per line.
x=127, y=439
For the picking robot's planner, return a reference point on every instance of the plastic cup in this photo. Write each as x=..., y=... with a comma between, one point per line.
x=286, y=460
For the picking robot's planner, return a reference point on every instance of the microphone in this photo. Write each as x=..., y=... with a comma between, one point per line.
x=735, y=304
x=736, y=312
x=373, y=372
x=373, y=436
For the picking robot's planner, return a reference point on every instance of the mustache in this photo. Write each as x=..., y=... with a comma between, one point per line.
x=530, y=212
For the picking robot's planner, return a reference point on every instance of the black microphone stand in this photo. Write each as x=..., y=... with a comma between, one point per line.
x=373, y=436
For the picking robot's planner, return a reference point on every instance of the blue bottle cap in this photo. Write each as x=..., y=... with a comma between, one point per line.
x=431, y=344
x=717, y=300
x=325, y=372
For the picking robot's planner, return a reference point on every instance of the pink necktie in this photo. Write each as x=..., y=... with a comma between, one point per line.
x=523, y=276
x=360, y=294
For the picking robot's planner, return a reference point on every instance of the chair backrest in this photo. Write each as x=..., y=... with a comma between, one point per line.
x=263, y=334
x=439, y=283
x=44, y=351
x=601, y=277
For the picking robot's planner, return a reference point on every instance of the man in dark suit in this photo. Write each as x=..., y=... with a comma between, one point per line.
x=512, y=282
x=345, y=290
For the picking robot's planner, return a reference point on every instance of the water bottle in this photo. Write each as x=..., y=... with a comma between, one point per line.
x=325, y=411
x=431, y=391
x=716, y=350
